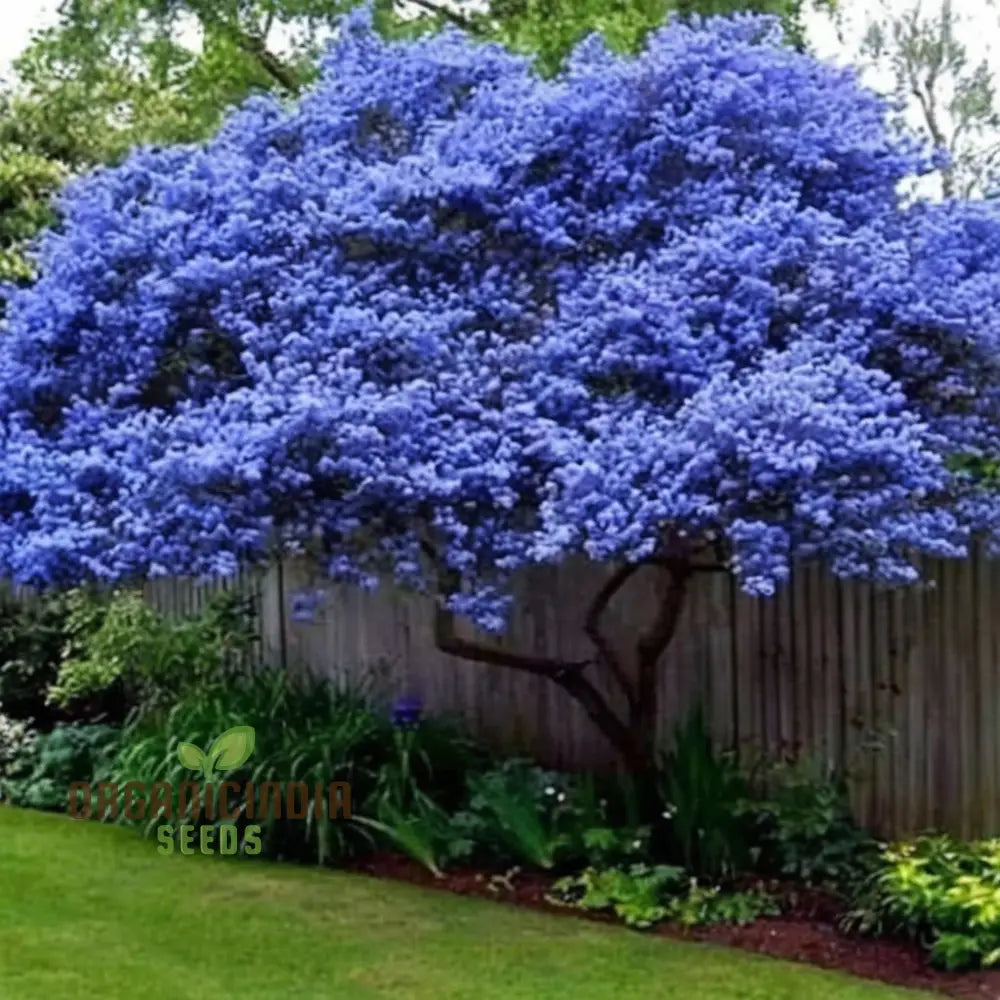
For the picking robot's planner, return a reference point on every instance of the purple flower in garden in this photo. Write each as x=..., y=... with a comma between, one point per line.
x=406, y=711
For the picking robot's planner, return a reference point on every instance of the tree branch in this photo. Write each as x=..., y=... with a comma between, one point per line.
x=925, y=94
x=566, y=673
x=592, y=626
x=650, y=647
x=448, y=15
x=269, y=62
x=449, y=642
x=671, y=564
x=652, y=642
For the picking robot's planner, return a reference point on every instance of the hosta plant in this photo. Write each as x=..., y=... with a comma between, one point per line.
x=942, y=892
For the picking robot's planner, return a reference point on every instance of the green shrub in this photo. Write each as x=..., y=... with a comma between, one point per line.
x=639, y=894
x=941, y=892
x=512, y=813
x=803, y=827
x=305, y=731
x=431, y=758
x=17, y=740
x=424, y=831
x=120, y=640
x=605, y=847
x=33, y=636
x=518, y=813
x=643, y=895
x=704, y=797
x=39, y=775
x=418, y=786
x=711, y=905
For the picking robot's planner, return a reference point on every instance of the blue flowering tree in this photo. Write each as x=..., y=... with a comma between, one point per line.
x=443, y=319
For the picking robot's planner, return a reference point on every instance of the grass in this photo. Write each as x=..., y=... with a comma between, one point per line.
x=94, y=911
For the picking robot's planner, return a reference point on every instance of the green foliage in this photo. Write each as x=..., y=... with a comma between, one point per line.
x=82, y=654
x=704, y=793
x=549, y=29
x=606, y=846
x=511, y=813
x=522, y=814
x=27, y=182
x=643, y=895
x=424, y=831
x=803, y=827
x=40, y=774
x=432, y=757
x=522, y=810
x=941, y=892
x=106, y=640
x=17, y=740
x=305, y=730
x=976, y=468
x=33, y=637
x=710, y=905
x=122, y=640
x=638, y=894
x=113, y=74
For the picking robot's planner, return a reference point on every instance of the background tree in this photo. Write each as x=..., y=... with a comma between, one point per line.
x=550, y=28
x=444, y=320
x=928, y=49
x=27, y=182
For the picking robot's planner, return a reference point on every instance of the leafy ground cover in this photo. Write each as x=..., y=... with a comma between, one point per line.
x=89, y=910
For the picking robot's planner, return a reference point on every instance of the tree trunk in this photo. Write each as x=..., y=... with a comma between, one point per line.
x=633, y=735
x=649, y=651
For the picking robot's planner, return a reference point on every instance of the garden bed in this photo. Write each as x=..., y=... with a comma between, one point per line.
x=806, y=932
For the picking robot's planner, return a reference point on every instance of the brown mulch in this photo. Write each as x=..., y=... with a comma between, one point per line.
x=806, y=932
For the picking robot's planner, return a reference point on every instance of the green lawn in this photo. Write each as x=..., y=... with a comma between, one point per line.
x=93, y=911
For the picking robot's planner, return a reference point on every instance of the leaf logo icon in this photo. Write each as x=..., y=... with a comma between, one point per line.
x=229, y=751
x=191, y=756
x=233, y=748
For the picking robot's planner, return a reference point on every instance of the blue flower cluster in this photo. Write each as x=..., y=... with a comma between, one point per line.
x=443, y=299
x=407, y=711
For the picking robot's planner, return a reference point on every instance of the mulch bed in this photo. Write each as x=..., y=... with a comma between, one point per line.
x=806, y=932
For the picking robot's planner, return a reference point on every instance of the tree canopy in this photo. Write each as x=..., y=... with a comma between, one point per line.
x=445, y=318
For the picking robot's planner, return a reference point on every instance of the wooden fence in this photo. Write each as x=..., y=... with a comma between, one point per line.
x=901, y=686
